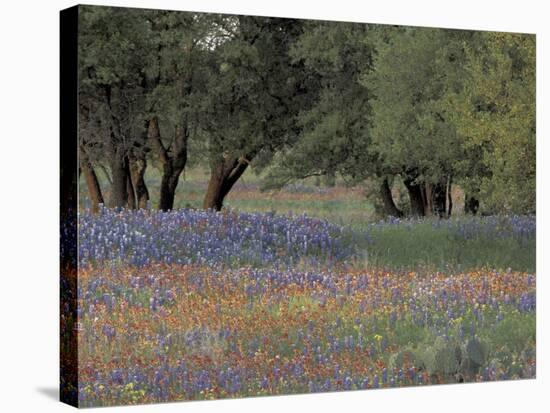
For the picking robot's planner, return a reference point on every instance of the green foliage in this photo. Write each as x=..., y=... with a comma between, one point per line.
x=413, y=70
x=414, y=102
x=251, y=102
x=177, y=75
x=114, y=45
x=333, y=126
x=476, y=352
x=356, y=101
x=442, y=358
x=405, y=332
x=494, y=113
x=514, y=332
x=449, y=359
x=115, y=50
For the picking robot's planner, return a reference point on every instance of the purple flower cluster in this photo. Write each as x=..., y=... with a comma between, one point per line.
x=521, y=227
x=190, y=236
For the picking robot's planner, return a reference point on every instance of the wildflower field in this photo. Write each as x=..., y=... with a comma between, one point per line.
x=236, y=184
x=193, y=304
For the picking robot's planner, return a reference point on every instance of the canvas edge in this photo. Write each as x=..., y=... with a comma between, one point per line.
x=68, y=127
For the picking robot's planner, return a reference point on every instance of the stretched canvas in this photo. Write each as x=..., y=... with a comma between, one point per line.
x=257, y=206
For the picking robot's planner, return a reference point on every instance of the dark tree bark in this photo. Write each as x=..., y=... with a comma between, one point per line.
x=449, y=196
x=387, y=199
x=471, y=204
x=119, y=190
x=173, y=161
x=415, y=196
x=94, y=190
x=440, y=199
x=137, y=173
x=223, y=175
x=117, y=158
x=426, y=198
x=168, y=186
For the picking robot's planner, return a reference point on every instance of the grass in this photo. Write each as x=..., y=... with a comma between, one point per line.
x=339, y=204
x=422, y=245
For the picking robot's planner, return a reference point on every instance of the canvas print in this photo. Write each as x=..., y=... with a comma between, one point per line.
x=257, y=206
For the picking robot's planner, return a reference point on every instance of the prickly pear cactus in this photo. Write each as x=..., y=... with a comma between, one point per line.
x=442, y=358
x=475, y=356
x=476, y=351
x=447, y=358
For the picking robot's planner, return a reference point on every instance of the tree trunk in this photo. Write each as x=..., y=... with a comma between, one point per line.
x=131, y=194
x=106, y=173
x=173, y=161
x=212, y=198
x=449, y=196
x=94, y=190
x=223, y=175
x=427, y=198
x=119, y=191
x=137, y=173
x=168, y=186
x=389, y=205
x=471, y=204
x=440, y=199
x=415, y=196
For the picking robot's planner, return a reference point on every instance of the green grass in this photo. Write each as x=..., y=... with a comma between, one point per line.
x=420, y=245
x=338, y=211
x=338, y=205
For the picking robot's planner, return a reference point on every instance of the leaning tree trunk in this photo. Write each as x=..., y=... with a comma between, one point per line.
x=106, y=173
x=94, y=190
x=415, y=196
x=212, y=198
x=224, y=173
x=387, y=199
x=137, y=173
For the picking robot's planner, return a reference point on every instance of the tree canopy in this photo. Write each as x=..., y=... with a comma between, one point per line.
x=430, y=108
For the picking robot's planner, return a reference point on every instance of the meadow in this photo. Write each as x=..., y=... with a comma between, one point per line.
x=255, y=300
x=250, y=165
